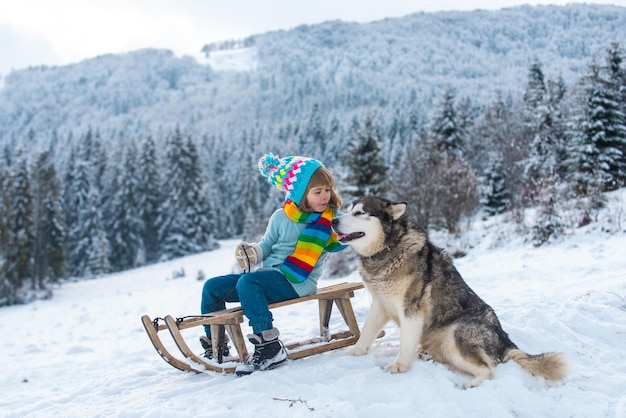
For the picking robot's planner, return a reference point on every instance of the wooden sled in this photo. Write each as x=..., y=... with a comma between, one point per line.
x=229, y=320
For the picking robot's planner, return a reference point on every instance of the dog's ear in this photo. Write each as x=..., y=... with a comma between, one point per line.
x=398, y=209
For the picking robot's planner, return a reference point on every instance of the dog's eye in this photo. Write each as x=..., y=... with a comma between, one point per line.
x=358, y=213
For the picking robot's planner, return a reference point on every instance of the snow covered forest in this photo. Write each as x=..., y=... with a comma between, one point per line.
x=123, y=160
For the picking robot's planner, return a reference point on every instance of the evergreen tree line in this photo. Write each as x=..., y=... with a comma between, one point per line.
x=553, y=145
x=123, y=203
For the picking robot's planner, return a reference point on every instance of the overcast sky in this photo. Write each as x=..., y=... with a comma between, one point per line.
x=58, y=32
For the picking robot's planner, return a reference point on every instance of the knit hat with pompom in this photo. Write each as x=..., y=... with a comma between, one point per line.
x=290, y=174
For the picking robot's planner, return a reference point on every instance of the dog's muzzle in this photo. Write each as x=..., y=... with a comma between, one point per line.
x=345, y=237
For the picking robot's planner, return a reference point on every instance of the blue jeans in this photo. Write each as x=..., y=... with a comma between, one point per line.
x=254, y=290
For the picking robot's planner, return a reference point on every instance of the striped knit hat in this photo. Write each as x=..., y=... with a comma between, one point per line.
x=290, y=174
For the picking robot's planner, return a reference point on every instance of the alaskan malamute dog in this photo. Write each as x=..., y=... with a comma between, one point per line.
x=415, y=284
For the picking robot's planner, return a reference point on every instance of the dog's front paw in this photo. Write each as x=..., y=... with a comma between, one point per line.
x=356, y=351
x=397, y=368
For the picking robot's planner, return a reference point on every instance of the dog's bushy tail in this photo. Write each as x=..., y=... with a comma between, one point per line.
x=551, y=366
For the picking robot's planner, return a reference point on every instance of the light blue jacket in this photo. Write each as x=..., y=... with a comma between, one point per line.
x=279, y=242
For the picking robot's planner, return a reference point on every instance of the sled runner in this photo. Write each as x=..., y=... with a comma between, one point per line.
x=229, y=320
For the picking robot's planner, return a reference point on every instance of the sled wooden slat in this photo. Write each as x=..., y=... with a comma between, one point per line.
x=187, y=352
x=160, y=348
x=230, y=319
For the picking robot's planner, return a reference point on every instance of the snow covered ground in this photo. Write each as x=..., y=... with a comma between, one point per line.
x=84, y=353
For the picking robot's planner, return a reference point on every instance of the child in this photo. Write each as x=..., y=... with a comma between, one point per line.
x=289, y=257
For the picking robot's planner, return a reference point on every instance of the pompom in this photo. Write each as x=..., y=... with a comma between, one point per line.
x=268, y=164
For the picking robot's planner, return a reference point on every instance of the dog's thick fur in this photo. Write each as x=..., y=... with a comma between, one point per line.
x=415, y=284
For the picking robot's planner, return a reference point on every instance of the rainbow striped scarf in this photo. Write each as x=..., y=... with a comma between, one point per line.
x=316, y=237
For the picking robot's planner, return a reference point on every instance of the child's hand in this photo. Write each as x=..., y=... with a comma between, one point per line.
x=247, y=255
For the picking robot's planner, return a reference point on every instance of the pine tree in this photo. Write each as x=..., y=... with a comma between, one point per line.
x=6, y=190
x=7, y=292
x=251, y=225
x=220, y=190
x=90, y=254
x=56, y=231
x=185, y=227
x=313, y=142
x=70, y=203
x=367, y=169
x=394, y=142
x=584, y=173
x=243, y=192
x=98, y=261
x=85, y=147
x=334, y=145
x=450, y=191
x=149, y=197
x=557, y=91
x=7, y=287
x=50, y=229
x=598, y=132
x=246, y=192
x=616, y=84
x=535, y=93
x=542, y=130
x=125, y=230
x=548, y=224
x=99, y=161
x=495, y=196
x=86, y=235
x=583, y=161
x=201, y=224
x=77, y=193
x=20, y=258
x=446, y=128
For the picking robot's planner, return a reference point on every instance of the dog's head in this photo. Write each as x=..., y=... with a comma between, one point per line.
x=367, y=225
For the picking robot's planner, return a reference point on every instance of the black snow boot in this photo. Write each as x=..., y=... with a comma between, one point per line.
x=207, y=346
x=269, y=352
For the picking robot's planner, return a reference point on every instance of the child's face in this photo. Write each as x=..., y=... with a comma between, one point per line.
x=318, y=198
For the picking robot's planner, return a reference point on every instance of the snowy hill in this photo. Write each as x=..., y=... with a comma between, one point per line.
x=343, y=68
x=240, y=59
x=84, y=352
